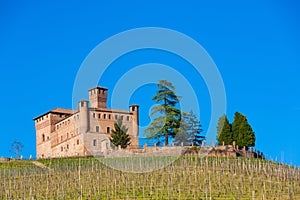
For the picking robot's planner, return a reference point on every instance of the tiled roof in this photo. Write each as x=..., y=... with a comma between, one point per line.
x=57, y=110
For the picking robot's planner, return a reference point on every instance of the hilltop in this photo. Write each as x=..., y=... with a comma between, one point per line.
x=187, y=177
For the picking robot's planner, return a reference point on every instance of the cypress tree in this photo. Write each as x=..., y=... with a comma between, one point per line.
x=224, y=131
x=242, y=131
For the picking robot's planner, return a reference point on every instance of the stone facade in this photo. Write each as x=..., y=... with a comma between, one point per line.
x=86, y=131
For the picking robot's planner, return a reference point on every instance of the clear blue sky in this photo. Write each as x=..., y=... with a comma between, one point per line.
x=255, y=44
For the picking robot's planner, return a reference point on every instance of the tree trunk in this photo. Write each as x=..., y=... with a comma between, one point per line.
x=166, y=139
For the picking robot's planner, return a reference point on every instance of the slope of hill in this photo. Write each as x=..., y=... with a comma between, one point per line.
x=186, y=178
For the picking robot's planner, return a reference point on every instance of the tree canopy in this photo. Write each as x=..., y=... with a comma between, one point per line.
x=16, y=148
x=119, y=135
x=242, y=131
x=190, y=130
x=224, y=131
x=169, y=117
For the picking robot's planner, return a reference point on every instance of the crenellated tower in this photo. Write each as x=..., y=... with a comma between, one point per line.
x=98, y=97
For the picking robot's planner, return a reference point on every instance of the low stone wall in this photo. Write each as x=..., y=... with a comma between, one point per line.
x=217, y=151
x=4, y=160
x=149, y=151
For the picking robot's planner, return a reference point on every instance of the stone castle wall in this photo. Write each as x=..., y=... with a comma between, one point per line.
x=62, y=132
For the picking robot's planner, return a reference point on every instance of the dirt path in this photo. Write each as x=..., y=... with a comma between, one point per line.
x=41, y=165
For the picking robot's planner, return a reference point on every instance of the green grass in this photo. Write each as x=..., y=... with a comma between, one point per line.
x=185, y=178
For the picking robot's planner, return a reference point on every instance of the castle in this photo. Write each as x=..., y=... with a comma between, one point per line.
x=86, y=131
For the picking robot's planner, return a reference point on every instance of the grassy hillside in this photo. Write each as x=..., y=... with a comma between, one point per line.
x=186, y=178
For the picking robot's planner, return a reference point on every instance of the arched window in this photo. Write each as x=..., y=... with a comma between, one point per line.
x=43, y=136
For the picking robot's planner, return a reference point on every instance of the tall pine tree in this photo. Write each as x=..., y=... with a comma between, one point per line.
x=242, y=131
x=168, y=122
x=190, y=130
x=119, y=135
x=224, y=131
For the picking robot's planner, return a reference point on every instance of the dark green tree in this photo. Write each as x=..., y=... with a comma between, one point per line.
x=224, y=131
x=119, y=135
x=190, y=130
x=242, y=131
x=199, y=138
x=168, y=122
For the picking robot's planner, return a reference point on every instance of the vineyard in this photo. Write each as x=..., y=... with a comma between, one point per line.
x=188, y=177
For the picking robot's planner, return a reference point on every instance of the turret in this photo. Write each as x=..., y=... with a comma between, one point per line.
x=98, y=97
x=134, y=109
x=83, y=109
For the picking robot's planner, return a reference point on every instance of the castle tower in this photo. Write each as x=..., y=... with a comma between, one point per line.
x=134, y=109
x=83, y=109
x=98, y=97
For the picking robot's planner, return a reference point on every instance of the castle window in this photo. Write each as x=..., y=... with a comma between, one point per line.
x=104, y=116
x=43, y=136
x=108, y=129
x=99, y=116
x=67, y=146
x=109, y=116
x=77, y=142
x=97, y=129
x=121, y=117
x=133, y=108
x=61, y=148
x=116, y=117
x=82, y=104
x=94, y=143
x=48, y=138
x=128, y=118
x=94, y=115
